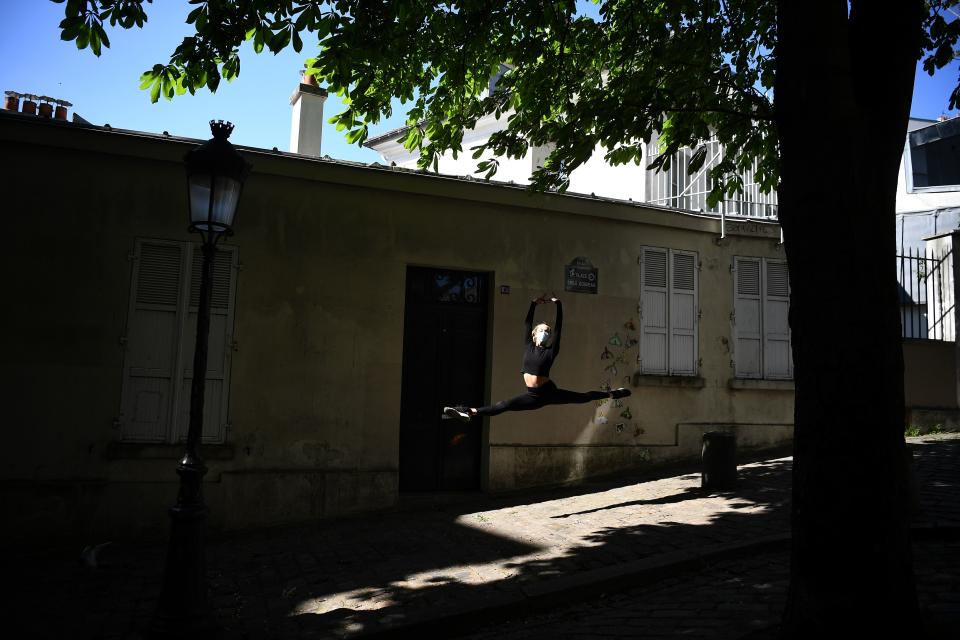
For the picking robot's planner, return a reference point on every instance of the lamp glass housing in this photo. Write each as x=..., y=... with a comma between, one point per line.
x=213, y=201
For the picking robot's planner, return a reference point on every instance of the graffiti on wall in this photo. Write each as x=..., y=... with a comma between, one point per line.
x=613, y=360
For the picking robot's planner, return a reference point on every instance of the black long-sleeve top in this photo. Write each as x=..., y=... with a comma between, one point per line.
x=538, y=360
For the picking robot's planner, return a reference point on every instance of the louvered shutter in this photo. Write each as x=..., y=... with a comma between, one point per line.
x=683, y=313
x=653, y=311
x=747, y=311
x=152, y=328
x=777, y=356
x=218, y=347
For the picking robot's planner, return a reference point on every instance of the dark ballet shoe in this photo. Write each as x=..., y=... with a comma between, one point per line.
x=457, y=413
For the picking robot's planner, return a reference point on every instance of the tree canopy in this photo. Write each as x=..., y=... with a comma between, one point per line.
x=681, y=70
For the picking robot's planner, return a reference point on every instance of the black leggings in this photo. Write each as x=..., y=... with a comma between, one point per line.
x=541, y=396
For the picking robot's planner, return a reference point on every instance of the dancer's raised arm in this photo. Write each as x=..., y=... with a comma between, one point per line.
x=528, y=322
x=557, y=326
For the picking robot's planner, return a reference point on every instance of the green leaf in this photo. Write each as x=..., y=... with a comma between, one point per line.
x=103, y=36
x=279, y=40
x=71, y=28
x=697, y=159
x=324, y=26
x=155, y=91
x=83, y=38
x=357, y=136
x=95, y=42
x=302, y=20
x=147, y=78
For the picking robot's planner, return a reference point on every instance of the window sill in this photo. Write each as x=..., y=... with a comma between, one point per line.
x=164, y=451
x=743, y=384
x=678, y=382
x=939, y=188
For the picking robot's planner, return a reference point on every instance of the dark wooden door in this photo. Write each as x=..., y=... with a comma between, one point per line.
x=444, y=356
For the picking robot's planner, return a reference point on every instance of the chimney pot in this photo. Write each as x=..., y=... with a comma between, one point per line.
x=45, y=110
x=12, y=101
x=61, y=112
x=29, y=106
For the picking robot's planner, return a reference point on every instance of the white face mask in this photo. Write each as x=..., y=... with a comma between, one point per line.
x=541, y=337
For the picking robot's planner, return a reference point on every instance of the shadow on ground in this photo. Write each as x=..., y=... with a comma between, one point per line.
x=761, y=487
x=263, y=583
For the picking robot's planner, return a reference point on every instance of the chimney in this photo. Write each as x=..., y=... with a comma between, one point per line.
x=45, y=109
x=29, y=106
x=306, y=125
x=48, y=108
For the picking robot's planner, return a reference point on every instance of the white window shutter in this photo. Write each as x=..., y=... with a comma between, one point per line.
x=218, y=345
x=777, y=355
x=654, y=309
x=152, y=328
x=747, y=310
x=683, y=313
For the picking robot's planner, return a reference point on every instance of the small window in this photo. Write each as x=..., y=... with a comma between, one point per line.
x=935, y=156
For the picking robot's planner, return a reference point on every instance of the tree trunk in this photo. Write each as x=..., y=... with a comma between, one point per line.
x=843, y=91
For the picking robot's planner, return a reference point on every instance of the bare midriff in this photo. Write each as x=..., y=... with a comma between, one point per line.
x=532, y=380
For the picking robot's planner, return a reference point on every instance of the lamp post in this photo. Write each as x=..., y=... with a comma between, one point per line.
x=215, y=176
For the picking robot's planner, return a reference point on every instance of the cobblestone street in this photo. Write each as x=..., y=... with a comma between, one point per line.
x=671, y=559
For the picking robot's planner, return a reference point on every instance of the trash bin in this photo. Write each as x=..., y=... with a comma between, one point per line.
x=719, y=460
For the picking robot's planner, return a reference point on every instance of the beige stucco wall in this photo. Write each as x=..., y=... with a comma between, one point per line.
x=930, y=376
x=315, y=389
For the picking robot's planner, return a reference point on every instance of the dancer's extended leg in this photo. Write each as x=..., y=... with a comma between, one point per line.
x=524, y=402
x=564, y=396
x=534, y=398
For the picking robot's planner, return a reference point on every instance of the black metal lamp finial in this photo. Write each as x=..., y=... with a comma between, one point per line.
x=221, y=129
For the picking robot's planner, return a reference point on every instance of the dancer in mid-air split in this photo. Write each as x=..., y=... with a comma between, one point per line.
x=542, y=348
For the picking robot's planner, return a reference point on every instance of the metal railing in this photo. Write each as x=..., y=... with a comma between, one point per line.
x=677, y=187
x=927, y=294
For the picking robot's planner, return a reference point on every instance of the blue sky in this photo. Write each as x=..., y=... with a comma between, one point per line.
x=106, y=89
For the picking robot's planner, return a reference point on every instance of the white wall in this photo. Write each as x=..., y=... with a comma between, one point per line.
x=925, y=213
x=595, y=176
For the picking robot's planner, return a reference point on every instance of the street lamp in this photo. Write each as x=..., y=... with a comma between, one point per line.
x=215, y=176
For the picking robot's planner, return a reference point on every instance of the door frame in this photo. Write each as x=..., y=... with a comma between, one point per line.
x=484, y=430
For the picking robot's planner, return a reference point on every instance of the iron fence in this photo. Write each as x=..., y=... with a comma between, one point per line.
x=927, y=294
